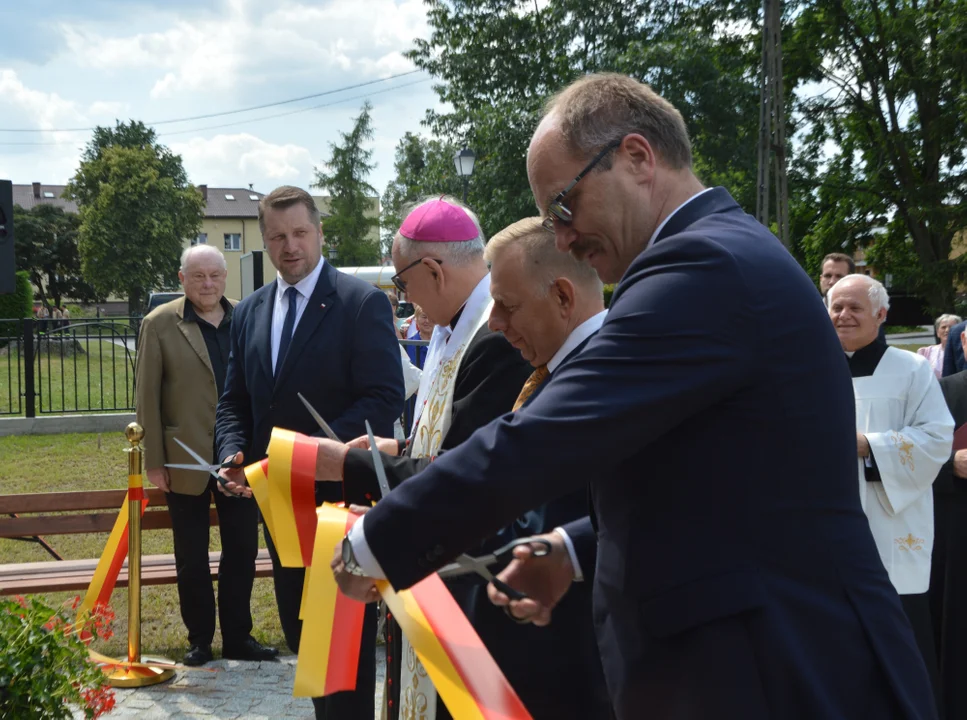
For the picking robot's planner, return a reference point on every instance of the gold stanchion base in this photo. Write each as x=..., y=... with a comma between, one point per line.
x=125, y=677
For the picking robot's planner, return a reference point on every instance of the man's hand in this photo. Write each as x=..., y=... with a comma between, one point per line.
x=159, y=478
x=862, y=446
x=330, y=458
x=544, y=580
x=235, y=483
x=384, y=445
x=352, y=586
x=960, y=464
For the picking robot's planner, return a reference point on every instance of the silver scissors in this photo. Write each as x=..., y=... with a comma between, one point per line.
x=203, y=466
x=466, y=564
x=384, y=488
x=318, y=418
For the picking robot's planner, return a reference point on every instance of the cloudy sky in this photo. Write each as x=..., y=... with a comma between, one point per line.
x=74, y=64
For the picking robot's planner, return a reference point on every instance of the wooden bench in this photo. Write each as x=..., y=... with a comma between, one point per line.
x=71, y=513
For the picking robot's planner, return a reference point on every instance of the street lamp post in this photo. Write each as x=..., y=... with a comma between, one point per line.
x=464, y=161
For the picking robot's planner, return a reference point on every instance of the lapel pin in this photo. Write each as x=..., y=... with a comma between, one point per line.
x=322, y=305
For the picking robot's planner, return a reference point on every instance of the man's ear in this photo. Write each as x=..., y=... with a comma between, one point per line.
x=563, y=292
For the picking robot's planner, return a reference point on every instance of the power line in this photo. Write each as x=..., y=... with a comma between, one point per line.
x=228, y=112
x=241, y=122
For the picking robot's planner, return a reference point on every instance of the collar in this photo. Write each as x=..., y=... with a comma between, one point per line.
x=482, y=288
x=578, y=335
x=863, y=362
x=191, y=314
x=654, y=235
x=304, y=287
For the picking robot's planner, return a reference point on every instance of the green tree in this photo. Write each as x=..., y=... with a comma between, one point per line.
x=136, y=209
x=345, y=177
x=883, y=101
x=499, y=60
x=46, y=240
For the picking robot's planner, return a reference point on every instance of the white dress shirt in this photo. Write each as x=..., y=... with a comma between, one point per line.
x=304, y=289
x=357, y=538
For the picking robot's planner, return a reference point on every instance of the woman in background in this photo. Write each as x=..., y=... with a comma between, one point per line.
x=934, y=353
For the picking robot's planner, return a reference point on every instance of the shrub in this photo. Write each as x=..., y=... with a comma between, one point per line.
x=19, y=304
x=608, y=292
x=45, y=669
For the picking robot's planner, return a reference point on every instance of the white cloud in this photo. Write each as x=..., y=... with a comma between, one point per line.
x=239, y=159
x=44, y=110
x=224, y=50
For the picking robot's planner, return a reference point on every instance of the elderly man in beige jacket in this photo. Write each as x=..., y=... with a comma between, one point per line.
x=182, y=357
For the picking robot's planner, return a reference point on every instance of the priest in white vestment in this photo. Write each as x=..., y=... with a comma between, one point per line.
x=904, y=436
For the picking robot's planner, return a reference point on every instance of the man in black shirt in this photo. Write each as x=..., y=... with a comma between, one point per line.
x=182, y=358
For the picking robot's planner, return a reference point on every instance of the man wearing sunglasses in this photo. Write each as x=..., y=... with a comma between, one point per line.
x=713, y=413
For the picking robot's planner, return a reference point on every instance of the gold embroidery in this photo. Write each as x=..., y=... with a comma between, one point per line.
x=910, y=543
x=905, y=448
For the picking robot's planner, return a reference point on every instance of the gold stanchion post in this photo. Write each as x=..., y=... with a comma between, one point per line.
x=136, y=676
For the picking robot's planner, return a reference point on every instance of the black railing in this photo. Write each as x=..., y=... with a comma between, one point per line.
x=52, y=366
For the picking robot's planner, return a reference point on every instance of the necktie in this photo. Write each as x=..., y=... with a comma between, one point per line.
x=290, y=294
x=533, y=382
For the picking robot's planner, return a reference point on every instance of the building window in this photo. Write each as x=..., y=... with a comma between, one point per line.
x=200, y=239
x=233, y=241
x=229, y=197
x=253, y=197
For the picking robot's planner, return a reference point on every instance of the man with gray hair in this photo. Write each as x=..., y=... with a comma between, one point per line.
x=904, y=436
x=181, y=364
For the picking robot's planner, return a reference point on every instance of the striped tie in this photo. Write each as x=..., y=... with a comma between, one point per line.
x=533, y=382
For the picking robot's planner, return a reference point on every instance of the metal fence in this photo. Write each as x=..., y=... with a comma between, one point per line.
x=62, y=366
x=83, y=366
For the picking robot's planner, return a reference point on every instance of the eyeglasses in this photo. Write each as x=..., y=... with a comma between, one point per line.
x=400, y=284
x=557, y=211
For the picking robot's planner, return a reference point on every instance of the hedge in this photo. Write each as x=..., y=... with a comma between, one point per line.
x=19, y=304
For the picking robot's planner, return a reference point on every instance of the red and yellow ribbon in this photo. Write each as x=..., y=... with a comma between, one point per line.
x=332, y=625
x=465, y=675
x=112, y=558
x=460, y=666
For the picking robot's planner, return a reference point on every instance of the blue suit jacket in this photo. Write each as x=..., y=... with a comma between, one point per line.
x=953, y=357
x=736, y=575
x=344, y=358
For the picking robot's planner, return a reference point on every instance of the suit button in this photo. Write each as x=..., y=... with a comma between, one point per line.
x=210, y=433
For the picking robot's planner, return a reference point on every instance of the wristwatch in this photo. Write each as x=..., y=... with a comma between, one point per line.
x=349, y=559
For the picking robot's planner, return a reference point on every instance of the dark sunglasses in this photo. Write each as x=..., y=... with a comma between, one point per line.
x=400, y=284
x=557, y=211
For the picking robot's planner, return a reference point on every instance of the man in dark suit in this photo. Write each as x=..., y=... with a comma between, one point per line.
x=736, y=575
x=329, y=336
x=954, y=360
x=545, y=307
x=948, y=580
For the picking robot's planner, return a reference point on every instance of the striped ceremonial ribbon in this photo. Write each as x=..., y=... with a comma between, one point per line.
x=112, y=558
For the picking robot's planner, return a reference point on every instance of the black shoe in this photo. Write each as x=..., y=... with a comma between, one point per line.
x=249, y=649
x=198, y=655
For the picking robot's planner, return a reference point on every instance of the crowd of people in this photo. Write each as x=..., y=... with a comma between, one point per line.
x=752, y=502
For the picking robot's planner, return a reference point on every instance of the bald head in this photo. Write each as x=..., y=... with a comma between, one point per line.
x=857, y=307
x=203, y=274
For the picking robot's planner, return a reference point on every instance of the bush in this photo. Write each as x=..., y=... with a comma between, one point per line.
x=45, y=669
x=608, y=292
x=20, y=304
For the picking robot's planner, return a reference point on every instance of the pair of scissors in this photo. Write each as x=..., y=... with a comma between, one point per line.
x=204, y=466
x=384, y=487
x=466, y=564
x=319, y=421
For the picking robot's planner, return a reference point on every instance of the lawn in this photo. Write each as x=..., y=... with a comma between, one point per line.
x=48, y=463
x=100, y=377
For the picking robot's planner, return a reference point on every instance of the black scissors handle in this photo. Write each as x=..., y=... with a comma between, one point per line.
x=507, y=589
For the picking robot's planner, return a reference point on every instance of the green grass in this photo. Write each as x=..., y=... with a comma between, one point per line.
x=49, y=463
x=101, y=378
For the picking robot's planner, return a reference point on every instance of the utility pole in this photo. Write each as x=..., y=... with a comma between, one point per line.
x=772, y=124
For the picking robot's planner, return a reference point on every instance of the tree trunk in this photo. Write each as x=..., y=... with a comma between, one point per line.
x=135, y=301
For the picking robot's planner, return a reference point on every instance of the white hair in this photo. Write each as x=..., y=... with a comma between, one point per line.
x=879, y=297
x=190, y=252
x=454, y=253
x=945, y=318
